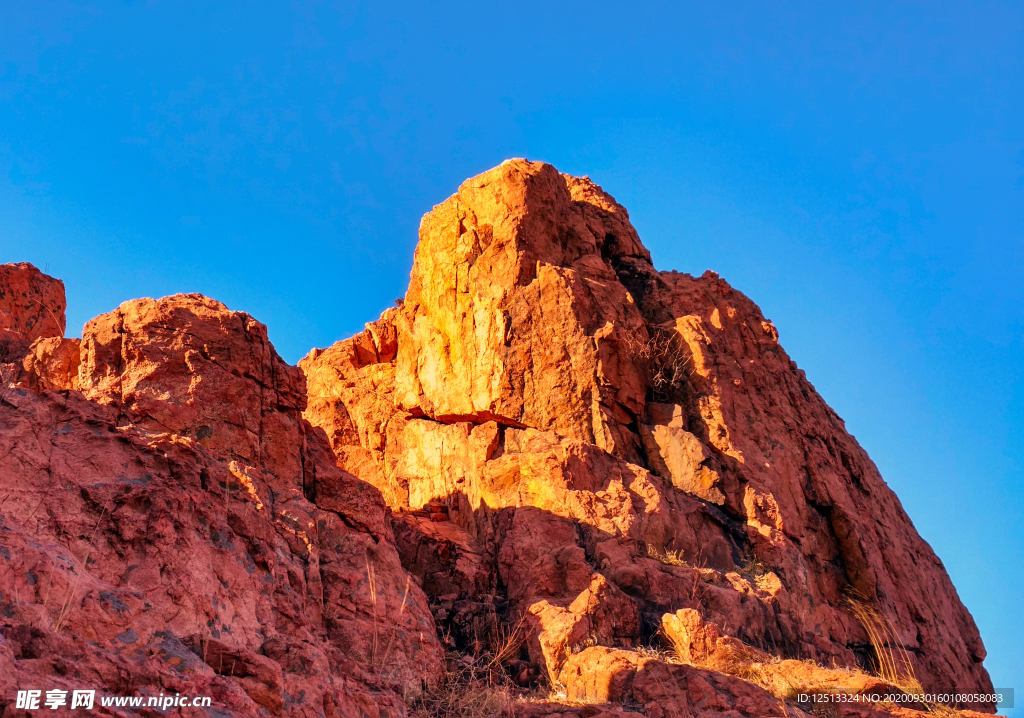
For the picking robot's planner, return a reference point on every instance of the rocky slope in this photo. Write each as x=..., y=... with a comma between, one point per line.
x=177, y=526
x=607, y=486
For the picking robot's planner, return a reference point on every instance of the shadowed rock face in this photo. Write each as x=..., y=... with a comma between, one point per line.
x=612, y=444
x=549, y=440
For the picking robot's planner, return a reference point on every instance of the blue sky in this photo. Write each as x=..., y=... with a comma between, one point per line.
x=857, y=168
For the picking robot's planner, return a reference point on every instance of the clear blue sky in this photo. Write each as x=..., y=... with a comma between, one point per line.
x=857, y=168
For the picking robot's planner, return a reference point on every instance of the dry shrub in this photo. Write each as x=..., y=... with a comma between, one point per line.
x=893, y=664
x=506, y=642
x=8, y=377
x=752, y=568
x=663, y=360
x=470, y=688
x=755, y=571
x=787, y=679
x=735, y=658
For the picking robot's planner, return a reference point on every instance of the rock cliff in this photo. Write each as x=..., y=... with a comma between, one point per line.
x=553, y=469
x=612, y=444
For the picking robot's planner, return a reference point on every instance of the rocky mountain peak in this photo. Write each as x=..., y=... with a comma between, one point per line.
x=554, y=475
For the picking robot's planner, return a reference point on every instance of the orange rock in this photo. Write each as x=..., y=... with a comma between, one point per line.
x=52, y=364
x=600, y=615
x=694, y=640
x=583, y=414
x=350, y=389
x=678, y=455
x=188, y=365
x=665, y=690
x=511, y=257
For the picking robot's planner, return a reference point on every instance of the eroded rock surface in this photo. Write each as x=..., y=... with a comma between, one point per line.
x=607, y=484
x=616, y=443
x=183, y=529
x=33, y=351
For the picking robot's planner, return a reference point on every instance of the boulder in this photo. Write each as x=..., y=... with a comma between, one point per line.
x=32, y=306
x=51, y=364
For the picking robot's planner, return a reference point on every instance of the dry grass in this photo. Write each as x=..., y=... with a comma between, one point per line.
x=371, y=580
x=574, y=648
x=52, y=315
x=507, y=642
x=65, y=609
x=74, y=584
x=783, y=679
x=386, y=628
x=755, y=571
x=894, y=666
x=763, y=670
x=701, y=573
x=752, y=568
x=788, y=679
x=394, y=629
x=892, y=658
x=669, y=558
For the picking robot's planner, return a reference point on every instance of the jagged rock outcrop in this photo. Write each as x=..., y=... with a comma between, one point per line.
x=517, y=253
x=180, y=528
x=617, y=443
x=603, y=482
x=33, y=350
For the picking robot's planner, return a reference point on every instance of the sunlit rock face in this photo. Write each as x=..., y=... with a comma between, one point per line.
x=611, y=444
x=604, y=485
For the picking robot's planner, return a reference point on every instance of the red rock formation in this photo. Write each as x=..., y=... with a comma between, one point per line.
x=187, y=531
x=580, y=461
x=618, y=443
x=33, y=351
x=51, y=363
x=32, y=304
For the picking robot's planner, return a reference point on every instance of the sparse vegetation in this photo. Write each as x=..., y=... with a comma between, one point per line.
x=893, y=665
x=786, y=679
x=65, y=609
x=893, y=661
x=663, y=359
x=779, y=677
x=470, y=688
x=755, y=571
x=752, y=568
x=8, y=375
x=507, y=642
x=53, y=316
x=669, y=557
